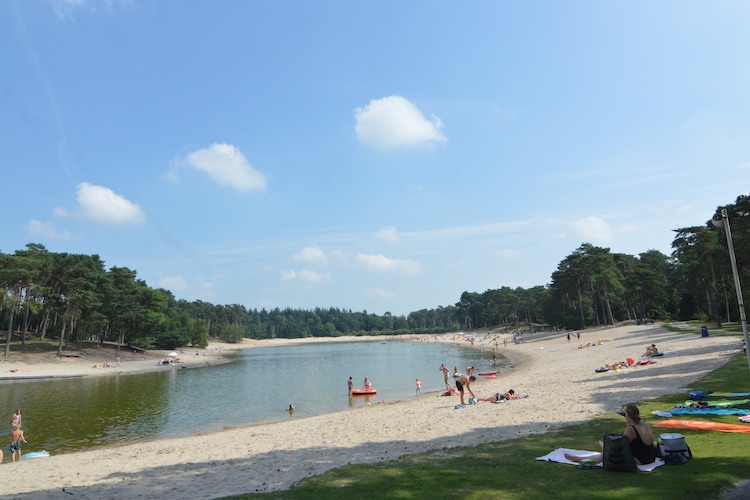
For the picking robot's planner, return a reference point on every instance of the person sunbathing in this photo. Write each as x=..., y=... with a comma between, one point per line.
x=498, y=398
x=652, y=350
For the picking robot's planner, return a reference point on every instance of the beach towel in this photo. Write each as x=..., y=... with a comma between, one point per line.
x=702, y=425
x=663, y=414
x=711, y=394
x=745, y=419
x=709, y=411
x=723, y=402
x=559, y=456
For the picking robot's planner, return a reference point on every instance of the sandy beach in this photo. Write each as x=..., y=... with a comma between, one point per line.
x=558, y=376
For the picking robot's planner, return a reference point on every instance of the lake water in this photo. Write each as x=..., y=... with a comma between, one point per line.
x=258, y=386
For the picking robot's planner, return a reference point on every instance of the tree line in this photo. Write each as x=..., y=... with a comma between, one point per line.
x=72, y=298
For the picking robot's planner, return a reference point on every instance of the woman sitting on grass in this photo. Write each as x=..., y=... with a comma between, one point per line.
x=639, y=436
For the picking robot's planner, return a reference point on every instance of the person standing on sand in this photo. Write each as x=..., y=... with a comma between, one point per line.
x=419, y=387
x=15, y=420
x=464, y=382
x=445, y=371
x=16, y=436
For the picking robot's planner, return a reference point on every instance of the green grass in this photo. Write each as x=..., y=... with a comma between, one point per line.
x=727, y=328
x=508, y=470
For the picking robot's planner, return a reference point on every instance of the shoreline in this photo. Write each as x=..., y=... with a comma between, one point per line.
x=38, y=366
x=558, y=376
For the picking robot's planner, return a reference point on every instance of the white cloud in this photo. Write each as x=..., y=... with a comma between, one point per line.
x=594, y=230
x=305, y=275
x=387, y=234
x=382, y=264
x=379, y=293
x=64, y=9
x=266, y=304
x=173, y=283
x=227, y=166
x=100, y=204
x=393, y=122
x=47, y=230
x=207, y=291
x=311, y=254
x=507, y=253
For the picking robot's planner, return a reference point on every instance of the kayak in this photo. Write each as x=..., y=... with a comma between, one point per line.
x=487, y=374
x=703, y=425
x=359, y=392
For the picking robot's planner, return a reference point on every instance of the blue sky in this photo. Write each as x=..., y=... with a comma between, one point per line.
x=379, y=156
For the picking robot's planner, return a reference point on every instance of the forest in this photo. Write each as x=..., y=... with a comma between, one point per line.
x=71, y=298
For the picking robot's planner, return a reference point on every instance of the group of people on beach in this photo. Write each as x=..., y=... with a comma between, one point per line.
x=367, y=384
x=463, y=384
x=16, y=436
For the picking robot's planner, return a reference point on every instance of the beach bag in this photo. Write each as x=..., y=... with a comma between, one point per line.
x=472, y=400
x=616, y=455
x=674, y=449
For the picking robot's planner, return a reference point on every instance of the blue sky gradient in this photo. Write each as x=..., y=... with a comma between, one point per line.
x=384, y=156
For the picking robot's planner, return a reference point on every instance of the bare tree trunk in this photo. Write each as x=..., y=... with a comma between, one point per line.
x=25, y=322
x=62, y=339
x=80, y=336
x=610, y=316
x=10, y=333
x=595, y=303
x=580, y=305
x=45, y=324
x=70, y=329
x=726, y=298
x=715, y=295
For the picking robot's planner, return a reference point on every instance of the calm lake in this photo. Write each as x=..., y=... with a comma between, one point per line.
x=256, y=387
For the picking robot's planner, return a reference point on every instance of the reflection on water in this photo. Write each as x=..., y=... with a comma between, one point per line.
x=258, y=386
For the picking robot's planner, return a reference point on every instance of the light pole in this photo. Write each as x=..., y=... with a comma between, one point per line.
x=719, y=220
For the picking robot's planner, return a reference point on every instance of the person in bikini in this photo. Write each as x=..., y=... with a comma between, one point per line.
x=511, y=394
x=15, y=420
x=639, y=435
x=445, y=371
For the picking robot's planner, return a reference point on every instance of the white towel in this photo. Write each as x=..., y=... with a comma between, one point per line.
x=559, y=456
